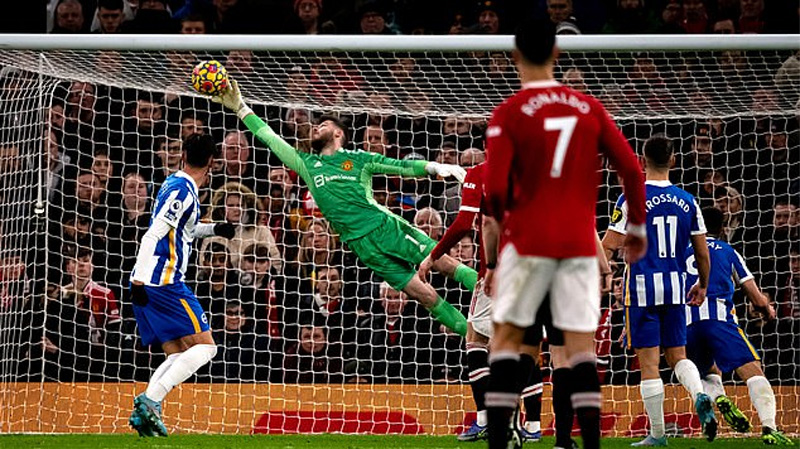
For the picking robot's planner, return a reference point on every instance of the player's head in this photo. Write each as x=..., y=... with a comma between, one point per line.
x=330, y=130
x=535, y=43
x=714, y=219
x=659, y=153
x=199, y=150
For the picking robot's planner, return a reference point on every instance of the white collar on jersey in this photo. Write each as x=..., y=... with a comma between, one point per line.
x=183, y=174
x=664, y=183
x=540, y=84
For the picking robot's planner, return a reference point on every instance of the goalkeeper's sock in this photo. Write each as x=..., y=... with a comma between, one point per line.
x=186, y=364
x=466, y=276
x=445, y=313
x=503, y=395
x=478, y=364
x=586, y=397
x=531, y=376
x=562, y=406
x=763, y=399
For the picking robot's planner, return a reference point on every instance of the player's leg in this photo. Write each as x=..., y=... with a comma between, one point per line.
x=642, y=332
x=452, y=268
x=441, y=310
x=763, y=399
x=478, y=365
x=531, y=387
x=562, y=392
x=575, y=306
x=673, y=340
x=521, y=286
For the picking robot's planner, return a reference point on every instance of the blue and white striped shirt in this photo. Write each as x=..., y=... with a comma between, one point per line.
x=727, y=271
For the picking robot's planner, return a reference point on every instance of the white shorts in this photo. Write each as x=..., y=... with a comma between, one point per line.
x=480, y=312
x=523, y=282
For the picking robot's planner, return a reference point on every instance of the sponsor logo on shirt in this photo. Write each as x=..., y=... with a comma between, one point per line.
x=493, y=131
x=616, y=216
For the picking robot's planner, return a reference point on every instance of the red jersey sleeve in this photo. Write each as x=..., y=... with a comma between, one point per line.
x=614, y=145
x=471, y=196
x=112, y=308
x=499, y=155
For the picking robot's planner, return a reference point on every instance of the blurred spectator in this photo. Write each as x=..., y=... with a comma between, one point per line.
x=751, y=19
x=110, y=15
x=143, y=122
x=730, y=202
x=672, y=18
x=308, y=361
x=372, y=17
x=787, y=79
x=330, y=75
x=631, y=17
x=298, y=87
x=560, y=12
x=170, y=157
x=393, y=342
x=297, y=127
x=15, y=286
x=429, y=221
x=103, y=168
x=239, y=164
x=376, y=140
x=488, y=15
x=239, y=62
x=788, y=300
x=217, y=284
x=191, y=123
x=193, y=24
x=57, y=162
x=260, y=291
x=234, y=203
x=242, y=352
x=723, y=26
x=69, y=17
x=574, y=78
x=308, y=14
x=318, y=249
x=695, y=17
x=471, y=157
x=464, y=251
x=152, y=17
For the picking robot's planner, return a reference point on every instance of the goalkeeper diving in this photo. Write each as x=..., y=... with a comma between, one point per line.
x=340, y=181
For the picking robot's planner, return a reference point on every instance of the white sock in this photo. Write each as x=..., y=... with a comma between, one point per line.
x=653, y=397
x=183, y=366
x=689, y=377
x=763, y=399
x=483, y=418
x=712, y=385
x=159, y=372
x=533, y=426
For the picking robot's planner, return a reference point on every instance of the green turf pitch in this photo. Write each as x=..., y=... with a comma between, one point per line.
x=308, y=442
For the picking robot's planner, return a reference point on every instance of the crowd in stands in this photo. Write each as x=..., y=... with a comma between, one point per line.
x=286, y=300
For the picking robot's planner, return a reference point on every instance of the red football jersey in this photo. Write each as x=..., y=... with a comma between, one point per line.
x=472, y=207
x=103, y=304
x=543, y=168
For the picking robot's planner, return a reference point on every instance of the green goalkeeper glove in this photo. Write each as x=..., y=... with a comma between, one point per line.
x=231, y=98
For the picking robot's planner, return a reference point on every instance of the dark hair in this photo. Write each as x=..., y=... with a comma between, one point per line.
x=714, y=219
x=339, y=124
x=535, y=39
x=200, y=149
x=658, y=151
x=110, y=4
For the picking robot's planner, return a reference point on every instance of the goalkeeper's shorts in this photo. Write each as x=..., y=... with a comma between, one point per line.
x=393, y=250
x=172, y=312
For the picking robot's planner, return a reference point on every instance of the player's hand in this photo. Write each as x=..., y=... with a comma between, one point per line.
x=606, y=281
x=231, y=98
x=446, y=171
x=139, y=294
x=635, y=247
x=425, y=268
x=697, y=295
x=488, y=282
x=767, y=312
x=225, y=230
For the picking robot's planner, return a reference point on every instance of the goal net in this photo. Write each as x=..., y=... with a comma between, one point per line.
x=309, y=339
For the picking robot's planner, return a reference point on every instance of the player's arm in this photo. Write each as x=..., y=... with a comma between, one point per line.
x=620, y=153
x=606, y=275
x=491, y=238
x=697, y=294
x=232, y=99
x=379, y=163
x=614, y=238
x=743, y=277
x=499, y=155
x=461, y=226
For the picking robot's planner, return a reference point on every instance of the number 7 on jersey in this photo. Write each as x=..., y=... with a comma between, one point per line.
x=565, y=126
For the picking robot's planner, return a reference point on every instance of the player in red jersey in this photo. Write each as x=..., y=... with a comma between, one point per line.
x=543, y=157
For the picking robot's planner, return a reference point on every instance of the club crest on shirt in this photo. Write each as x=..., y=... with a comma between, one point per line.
x=347, y=165
x=616, y=216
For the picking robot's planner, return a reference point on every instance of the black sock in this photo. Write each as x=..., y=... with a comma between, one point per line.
x=562, y=406
x=532, y=393
x=586, y=401
x=478, y=365
x=502, y=396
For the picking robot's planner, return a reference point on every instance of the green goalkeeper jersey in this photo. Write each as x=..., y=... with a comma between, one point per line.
x=341, y=183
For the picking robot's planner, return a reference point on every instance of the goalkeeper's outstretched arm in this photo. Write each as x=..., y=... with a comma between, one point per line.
x=232, y=99
x=388, y=166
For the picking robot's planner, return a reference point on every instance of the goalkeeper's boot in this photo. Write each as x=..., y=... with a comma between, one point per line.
x=150, y=411
x=705, y=411
x=138, y=423
x=474, y=433
x=775, y=437
x=652, y=441
x=733, y=416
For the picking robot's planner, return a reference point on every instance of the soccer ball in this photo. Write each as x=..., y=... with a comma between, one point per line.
x=210, y=78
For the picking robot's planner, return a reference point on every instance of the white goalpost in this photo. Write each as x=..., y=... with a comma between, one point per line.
x=310, y=340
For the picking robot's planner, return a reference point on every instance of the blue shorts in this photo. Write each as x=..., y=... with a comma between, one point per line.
x=720, y=342
x=172, y=312
x=663, y=326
